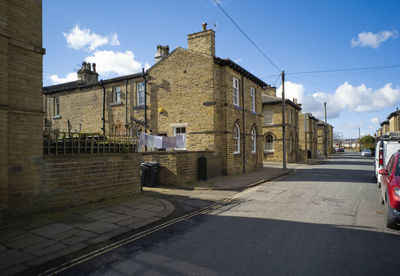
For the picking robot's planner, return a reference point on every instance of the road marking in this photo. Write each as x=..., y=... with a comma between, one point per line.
x=205, y=210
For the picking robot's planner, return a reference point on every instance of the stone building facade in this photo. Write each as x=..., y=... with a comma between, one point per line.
x=214, y=102
x=307, y=136
x=272, y=128
x=394, y=122
x=78, y=106
x=325, y=143
x=21, y=112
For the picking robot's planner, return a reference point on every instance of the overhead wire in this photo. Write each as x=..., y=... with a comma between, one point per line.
x=244, y=33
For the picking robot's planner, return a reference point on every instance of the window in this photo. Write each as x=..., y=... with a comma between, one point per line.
x=56, y=106
x=268, y=116
x=140, y=93
x=253, y=99
x=253, y=140
x=236, y=139
x=235, y=91
x=290, y=116
x=269, y=143
x=181, y=130
x=116, y=94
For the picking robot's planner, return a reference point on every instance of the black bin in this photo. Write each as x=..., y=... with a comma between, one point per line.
x=149, y=176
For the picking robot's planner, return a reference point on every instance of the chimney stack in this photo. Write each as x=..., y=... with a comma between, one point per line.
x=86, y=74
x=162, y=52
x=202, y=42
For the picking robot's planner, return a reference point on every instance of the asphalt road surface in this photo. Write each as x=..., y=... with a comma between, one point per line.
x=324, y=220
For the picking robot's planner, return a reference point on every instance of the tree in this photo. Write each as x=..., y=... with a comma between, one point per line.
x=367, y=142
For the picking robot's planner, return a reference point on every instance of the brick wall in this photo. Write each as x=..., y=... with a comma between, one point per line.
x=74, y=180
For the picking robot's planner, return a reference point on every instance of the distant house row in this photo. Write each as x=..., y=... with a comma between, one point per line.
x=391, y=124
x=218, y=105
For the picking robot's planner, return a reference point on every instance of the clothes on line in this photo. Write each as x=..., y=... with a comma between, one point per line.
x=161, y=142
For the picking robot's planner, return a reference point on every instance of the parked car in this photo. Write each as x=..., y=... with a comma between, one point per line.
x=385, y=147
x=366, y=153
x=390, y=180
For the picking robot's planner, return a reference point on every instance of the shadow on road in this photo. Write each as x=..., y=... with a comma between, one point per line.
x=237, y=245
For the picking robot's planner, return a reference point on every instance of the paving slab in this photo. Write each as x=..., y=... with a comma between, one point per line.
x=99, y=214
x=11, y=258
x=14, y=269
x=49, y=250
x=99, y=227
x=51, y=229
x=25, y=242
x=39, y=246
x=2, y=248
x=116, y=218
x=65, y=235
x=81, y=236
x=129, y=221
x=144, y=222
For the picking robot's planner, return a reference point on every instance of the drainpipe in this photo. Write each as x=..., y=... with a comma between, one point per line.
x=145, y=101
x=126, y=107
x=244, y=130
x=104, y=108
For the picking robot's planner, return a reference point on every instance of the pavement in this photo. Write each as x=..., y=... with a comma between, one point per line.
x=36, y=240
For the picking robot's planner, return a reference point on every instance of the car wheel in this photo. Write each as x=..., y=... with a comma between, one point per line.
x=389, y=217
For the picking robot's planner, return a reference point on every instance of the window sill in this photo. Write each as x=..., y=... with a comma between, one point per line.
x=268, y=151
x=254, y=113
x=138, y=107
x=236, y=153
x=56, y=117
x=237, y=106
x=116, y=104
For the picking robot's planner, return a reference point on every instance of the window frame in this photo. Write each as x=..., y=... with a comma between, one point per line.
x=235, y=85
x=138, y=92
x=253, y=137
x=253, y=99
x=264, y=116
x=236, y=139
x=56, y=106
x=271, y=143
x=116, y=95
x=184, y=134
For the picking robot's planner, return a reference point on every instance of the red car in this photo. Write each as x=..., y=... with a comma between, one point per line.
x=390, y=181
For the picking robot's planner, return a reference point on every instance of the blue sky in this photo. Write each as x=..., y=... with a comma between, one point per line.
x=121, y=37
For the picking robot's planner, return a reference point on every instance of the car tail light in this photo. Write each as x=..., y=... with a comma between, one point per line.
x=380, y=157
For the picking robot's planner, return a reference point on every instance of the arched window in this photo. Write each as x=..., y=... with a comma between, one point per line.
x=253, y=140
x=269, y=143
x=236, y=139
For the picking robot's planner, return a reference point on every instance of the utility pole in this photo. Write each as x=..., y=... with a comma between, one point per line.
x=283, y=122
x=326, y=133
x=359, y=139
x=305, y=136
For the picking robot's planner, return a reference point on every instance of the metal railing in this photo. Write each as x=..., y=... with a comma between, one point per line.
x=56, y=142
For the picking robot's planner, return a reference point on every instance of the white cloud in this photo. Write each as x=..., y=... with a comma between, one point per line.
x=368, y=39
x=70, y=77
x=352, y=98
x=375, y=120
x=79, y=38
x=109, y=62
x=292, y=90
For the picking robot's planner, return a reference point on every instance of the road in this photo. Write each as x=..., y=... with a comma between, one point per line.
x=323, y=220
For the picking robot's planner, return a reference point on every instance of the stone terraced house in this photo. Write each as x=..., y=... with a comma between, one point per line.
x=272, y=127
x=307, y=136
x=214, y=102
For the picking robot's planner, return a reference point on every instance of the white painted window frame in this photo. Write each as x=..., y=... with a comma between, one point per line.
x=140, y=93
x=235, y=85
x=253, y=99
x=253, y=136
x=270, y=116
x=236, y=139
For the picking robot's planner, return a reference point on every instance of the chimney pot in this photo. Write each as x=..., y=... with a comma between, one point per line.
x=204, y=25
x=94, y=67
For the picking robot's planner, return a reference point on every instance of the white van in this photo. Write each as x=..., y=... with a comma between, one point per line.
x=385, y=148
